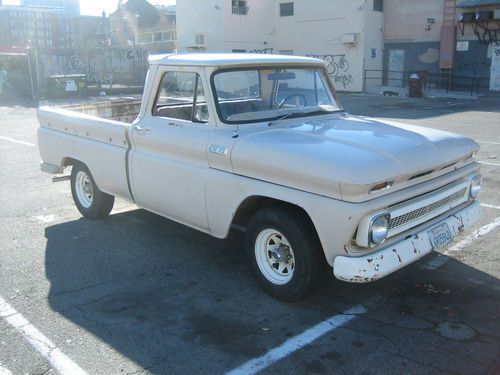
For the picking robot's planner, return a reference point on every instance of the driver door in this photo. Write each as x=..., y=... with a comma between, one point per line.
x=168, y=162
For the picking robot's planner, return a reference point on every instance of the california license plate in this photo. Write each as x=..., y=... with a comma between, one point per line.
x=440, y=236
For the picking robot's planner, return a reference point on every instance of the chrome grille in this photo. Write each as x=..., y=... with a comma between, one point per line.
x=425, y=210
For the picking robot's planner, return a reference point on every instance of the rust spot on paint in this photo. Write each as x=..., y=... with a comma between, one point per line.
x=369, y=260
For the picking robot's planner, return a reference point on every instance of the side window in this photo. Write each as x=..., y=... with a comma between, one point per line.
x=181, y=96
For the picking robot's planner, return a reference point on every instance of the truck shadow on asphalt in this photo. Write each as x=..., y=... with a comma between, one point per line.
x=175, y=300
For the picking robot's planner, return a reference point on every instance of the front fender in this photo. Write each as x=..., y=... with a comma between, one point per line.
x=335, y=221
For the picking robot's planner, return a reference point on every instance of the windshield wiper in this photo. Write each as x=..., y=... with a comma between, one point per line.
x=281, y=118
x=300, y=114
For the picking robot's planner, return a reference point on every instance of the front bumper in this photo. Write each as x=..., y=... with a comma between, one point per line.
x=385, y=261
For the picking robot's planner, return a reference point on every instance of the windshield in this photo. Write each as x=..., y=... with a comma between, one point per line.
x=261, y=94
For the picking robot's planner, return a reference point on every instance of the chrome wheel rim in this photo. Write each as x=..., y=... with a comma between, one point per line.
x=274, y=256
x=83, y=188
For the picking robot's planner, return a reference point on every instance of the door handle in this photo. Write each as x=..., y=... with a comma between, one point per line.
x=141, y=129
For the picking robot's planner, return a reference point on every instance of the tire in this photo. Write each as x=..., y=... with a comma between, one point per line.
x=294, y=267
x=90, y=201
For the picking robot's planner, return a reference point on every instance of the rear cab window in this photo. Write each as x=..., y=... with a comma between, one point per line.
x=181, y=96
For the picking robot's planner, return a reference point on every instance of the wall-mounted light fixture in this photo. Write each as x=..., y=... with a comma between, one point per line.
x=430, y=22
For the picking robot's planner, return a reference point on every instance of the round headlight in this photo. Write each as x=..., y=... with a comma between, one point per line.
x=379, y=227
x=475, y=186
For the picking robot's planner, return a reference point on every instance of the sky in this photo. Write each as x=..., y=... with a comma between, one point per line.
x=95, y=8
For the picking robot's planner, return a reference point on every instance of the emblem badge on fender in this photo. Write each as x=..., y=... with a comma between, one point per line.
x=217, y=149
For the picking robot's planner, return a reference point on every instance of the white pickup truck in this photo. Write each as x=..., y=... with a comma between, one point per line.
x=261, y=143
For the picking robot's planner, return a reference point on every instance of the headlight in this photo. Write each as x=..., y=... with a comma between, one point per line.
x=475, y=186
x=378, y=229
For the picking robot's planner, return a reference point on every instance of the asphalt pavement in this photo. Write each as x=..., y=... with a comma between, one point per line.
x=137, y=293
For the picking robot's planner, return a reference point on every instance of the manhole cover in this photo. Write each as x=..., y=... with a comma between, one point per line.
x=456, y=331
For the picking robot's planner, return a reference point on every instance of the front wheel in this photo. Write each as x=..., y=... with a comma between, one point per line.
x=284, y=253
x=90, y=201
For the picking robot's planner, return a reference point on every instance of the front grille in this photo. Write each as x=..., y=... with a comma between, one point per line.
x=425, y=210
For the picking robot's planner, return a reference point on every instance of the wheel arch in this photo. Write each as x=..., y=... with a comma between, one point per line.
x=252, y=204
x=68, y=161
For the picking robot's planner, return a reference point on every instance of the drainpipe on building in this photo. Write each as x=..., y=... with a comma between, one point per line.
x=28, y=57
x=37, y=72
x=448, y=39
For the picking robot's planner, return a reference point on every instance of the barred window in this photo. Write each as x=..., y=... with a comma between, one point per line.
x=286, y=9
x=378, y=5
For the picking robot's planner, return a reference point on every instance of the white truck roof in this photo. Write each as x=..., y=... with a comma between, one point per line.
x=230, y=59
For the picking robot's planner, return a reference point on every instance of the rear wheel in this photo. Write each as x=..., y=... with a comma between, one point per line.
x=284, y=253
x=90, y=201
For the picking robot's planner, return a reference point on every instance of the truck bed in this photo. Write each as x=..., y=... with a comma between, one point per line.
x=92, y=133
x=123, y=109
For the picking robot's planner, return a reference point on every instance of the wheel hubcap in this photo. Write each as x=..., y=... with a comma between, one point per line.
x=274, y=256
x=84, y=190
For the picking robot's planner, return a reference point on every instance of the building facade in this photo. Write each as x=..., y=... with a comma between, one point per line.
x=68, y=7
x=347, y=34
x=33, y=27
x=138, y=24
x=441, y=36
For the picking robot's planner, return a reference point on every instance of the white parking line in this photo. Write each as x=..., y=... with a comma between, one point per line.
x=490, y=206
x=60, y=361
x=489, y=163
x=16, y=141
x=489, y=142
x=4, y=370
x=442, y=258
x=295, y=343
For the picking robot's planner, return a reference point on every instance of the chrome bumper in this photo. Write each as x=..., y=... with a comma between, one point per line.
x=385, y=261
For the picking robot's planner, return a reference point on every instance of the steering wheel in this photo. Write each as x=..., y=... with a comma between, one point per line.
x=294, y=95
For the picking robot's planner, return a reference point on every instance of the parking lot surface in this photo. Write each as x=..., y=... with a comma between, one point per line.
x=137, y=293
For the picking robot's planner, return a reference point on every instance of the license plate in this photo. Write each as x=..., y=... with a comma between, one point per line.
x=440, y=236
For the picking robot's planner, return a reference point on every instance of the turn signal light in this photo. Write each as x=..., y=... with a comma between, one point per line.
x=381, y=186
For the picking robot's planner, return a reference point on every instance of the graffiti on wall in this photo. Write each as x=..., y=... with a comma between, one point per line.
x=430, y=56
x=104, y=68
x=495, y=69
x=338, y=68
x=263, y=50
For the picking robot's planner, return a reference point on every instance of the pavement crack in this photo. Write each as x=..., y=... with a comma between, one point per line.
x=151, y=366
x=399, y=352
x=71, y=291
x=93, y=321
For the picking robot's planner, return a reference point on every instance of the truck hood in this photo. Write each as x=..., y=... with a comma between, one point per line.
x=343, y=156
